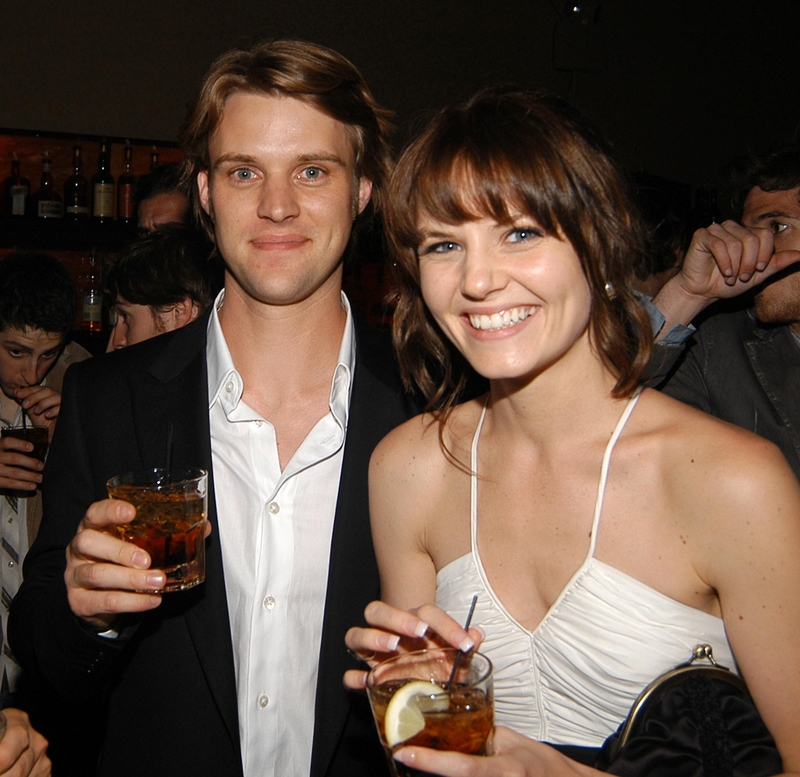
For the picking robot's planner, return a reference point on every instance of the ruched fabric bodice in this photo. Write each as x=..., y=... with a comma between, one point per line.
x=573, y=679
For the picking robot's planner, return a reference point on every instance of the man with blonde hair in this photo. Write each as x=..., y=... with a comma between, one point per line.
x=282, y=396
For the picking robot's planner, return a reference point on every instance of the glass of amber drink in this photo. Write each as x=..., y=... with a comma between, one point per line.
x=38, y=437
x=414, y=703
x=170, y=520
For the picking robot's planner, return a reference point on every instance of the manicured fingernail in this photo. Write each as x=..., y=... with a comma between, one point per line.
x=728, y=272
x=761, y=266
x=745, y=277
x=466, y=644
x=480, y=631
x=421, y=629
x=389, y=642
x=155, y=579
x=140, y=559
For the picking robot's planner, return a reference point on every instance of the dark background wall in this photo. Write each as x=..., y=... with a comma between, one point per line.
x=679, y=86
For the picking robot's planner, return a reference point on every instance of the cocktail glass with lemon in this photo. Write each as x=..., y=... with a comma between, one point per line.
x=413, y=703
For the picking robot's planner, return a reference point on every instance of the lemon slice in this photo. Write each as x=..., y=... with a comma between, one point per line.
x=404, y=716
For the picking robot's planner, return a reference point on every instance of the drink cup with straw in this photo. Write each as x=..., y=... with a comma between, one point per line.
x=36, y=435
x=440, y=698
x=171, y=506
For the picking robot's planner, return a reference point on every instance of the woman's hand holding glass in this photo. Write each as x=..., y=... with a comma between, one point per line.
x=391, y=631
x=513, y=755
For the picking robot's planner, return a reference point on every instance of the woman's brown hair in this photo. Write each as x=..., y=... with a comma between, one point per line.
x=509, y=151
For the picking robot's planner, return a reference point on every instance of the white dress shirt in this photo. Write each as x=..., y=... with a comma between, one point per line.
x=275, y=531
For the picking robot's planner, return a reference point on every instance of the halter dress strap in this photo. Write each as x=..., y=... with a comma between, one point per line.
x=601, y=487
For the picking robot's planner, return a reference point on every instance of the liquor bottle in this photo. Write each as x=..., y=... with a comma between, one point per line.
x=125, y=188
x=91, y=283
x=153, y=159
x=103, y=187
x=76, y=189
x=47, y=203
x=17, y=191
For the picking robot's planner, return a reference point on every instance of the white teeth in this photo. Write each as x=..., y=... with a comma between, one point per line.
x=501, y=320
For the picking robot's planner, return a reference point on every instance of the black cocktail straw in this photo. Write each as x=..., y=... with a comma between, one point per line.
x=461, y=652
x=168, y=463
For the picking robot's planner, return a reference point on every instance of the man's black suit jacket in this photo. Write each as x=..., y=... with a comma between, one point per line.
x=741, y=372
x=168, y=683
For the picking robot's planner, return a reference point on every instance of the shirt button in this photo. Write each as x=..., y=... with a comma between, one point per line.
x=274, y=508
x=229, y=387
x=269, y=603
x=263, y=701
x=10, y=564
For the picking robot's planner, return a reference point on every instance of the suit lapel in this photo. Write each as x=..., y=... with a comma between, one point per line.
x=376, y=407
x=780, y=381
x=175, y=391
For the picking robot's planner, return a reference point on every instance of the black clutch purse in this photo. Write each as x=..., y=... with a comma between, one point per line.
x=697, y=720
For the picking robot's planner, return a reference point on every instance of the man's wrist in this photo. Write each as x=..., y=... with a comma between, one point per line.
x=678, y=305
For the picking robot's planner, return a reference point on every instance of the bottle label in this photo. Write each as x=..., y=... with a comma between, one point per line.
x=78, y=210
x=104, y=200
x=18, y=196
x=50, y=209
x=125, y=201
x=92, y=308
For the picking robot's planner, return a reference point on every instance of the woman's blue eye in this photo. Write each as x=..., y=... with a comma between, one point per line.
x=523, y=233
x=440, y=248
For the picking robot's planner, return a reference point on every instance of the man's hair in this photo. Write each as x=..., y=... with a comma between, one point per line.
x=510, y=152
x=164, y=267
x=306, y=71
x=775, y=171
x=36, y=292
x=165, y=179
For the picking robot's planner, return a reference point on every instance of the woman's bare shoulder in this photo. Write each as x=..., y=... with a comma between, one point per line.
x=417, y=487
x=417, y=443
x=701, y=455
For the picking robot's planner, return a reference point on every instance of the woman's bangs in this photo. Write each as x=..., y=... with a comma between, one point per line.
x=461, y=189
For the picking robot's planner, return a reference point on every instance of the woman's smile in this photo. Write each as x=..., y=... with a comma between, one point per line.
x=503, y=319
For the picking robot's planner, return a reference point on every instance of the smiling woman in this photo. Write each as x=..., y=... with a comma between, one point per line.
x=606, y=530
x=544, y=168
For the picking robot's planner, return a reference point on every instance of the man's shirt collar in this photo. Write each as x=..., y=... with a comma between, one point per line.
x=225, y=384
